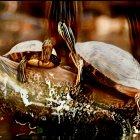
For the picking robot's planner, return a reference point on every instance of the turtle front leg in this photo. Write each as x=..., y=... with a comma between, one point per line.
x=21, y=76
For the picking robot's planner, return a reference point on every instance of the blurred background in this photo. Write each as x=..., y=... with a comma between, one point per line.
x=27, y=20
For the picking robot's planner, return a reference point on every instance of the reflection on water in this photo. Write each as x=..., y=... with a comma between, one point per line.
x=70, y=120
x=14, y=130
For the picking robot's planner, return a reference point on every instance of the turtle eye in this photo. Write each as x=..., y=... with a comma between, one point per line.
x=49, y=42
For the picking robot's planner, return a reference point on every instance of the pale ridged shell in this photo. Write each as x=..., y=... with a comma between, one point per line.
x=115, y=63
x=32, y=45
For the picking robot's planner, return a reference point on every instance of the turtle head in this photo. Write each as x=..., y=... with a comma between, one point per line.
x=47, y=48
x=49, y=42
x=62, y=29
x=67, y=34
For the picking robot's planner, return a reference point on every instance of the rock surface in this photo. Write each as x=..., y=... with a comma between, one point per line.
x=45, y=102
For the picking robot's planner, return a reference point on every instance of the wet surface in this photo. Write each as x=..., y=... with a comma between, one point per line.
x=51, y=112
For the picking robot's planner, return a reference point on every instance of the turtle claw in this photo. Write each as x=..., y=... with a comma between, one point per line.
x=21, y=71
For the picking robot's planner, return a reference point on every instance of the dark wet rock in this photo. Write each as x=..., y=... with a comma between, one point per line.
x=45, y=104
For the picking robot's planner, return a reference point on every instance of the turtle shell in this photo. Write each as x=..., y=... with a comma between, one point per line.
x=114, y=63
x=27, y=46
x=33, y=48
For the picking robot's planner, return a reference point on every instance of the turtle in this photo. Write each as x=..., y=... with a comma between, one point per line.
x=33, y=53
x=108, y=64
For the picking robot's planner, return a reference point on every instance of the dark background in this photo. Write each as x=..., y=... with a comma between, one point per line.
x=26, y=20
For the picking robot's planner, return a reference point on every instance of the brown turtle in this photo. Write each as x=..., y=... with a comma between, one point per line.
x=33, y=53
x=110, y=65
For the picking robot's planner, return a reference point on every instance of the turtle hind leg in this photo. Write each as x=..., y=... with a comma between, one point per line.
x=129, y=91
x=21, y=76
x=137, y=100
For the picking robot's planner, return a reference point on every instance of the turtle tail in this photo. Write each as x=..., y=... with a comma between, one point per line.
x=8, y=66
